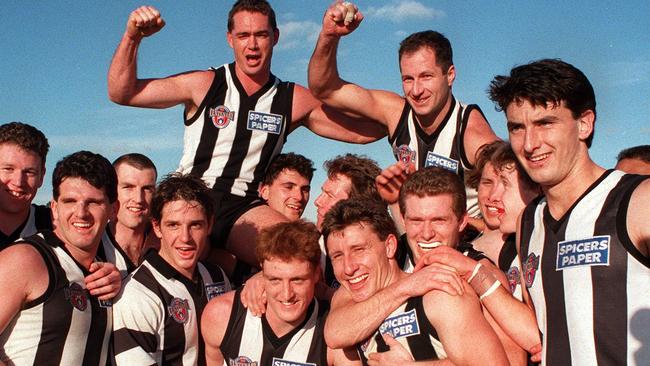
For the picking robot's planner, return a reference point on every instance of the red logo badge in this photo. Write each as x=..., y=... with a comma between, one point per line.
x=530, y=269
x=76, y=295
x=513, y=278
x=179, y=310
x=221, y=116
x=404, y=154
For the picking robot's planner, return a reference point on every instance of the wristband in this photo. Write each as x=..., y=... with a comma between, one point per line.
x=490, y=291
x=474, y=272
x=483, y=281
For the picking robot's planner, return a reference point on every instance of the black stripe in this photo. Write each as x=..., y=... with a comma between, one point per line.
x=98, y=326
x=126, y=339
x=401, y=134
x=420, y=345
x=508, y=253
x=232, y=337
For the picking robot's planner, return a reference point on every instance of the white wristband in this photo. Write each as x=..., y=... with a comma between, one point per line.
x=474, y=272
x=489, y=291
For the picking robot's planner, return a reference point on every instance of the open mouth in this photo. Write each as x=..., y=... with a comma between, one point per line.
x=17, y=194
x=538, y=158
x=358, y=279
x=429, y=246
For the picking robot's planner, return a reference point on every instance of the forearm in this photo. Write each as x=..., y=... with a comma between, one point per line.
x=122, y=74
x=323, y=70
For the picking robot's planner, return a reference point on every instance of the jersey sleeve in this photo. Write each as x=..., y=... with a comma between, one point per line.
x=137, y=317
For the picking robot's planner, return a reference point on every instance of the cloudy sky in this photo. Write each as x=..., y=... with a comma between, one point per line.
x=55, y=55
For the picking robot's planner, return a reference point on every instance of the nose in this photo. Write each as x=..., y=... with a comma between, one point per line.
x=496, y=192
x=252, y=42
x=319, y=201
x=185, y=234
x=349, y=264
x=428, y=232
x=287, y=291
x=531, y=140
x=139, y=195
x=417, y=87
x=18, y=178
x=81, y=210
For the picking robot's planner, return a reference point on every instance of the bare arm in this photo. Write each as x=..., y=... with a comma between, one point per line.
x=398, y=355
x=478, y=133
x=214, y=322
x=637, y=218
x=343, y=357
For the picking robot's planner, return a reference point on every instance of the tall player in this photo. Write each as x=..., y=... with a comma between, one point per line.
x=428, y=125
x=585, y=245
x=236, y=116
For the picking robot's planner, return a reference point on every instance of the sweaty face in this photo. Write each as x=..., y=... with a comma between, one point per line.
x=81, y=213
x=135, y=190
x=548, y=141
x=334, y=189
x=288, y=194
x=183, y=231
x=634, y=166
x=514, y=195
x=290, y=287
x=427, y=87
x=430, y=222
x=252, y=40
x=21, y=174
x=361, y=260
x=486, y=200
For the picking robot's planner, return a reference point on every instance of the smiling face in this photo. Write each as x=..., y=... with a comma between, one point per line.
x=252, y=39
x=183, y=231
x=548, y=141
x=514, y=194
x=21, y=174
x=427, y=87
x=334, y=189
x=81, y=212
x=290, y=287
x=360, y=259
x=288, y=193
x=486, y=200
x=135, y=190
x=430, y=222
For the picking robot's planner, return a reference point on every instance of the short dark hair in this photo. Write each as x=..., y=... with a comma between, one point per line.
x=542, y=82
x=93, y=168
x=253, y=6
x=482, y=157
x=436, y=41
x=136, y=160
x=358, y=211
x=361, y=171
x=289, y=161
x=289, y=240
x=27, y=137
x=503, y=158
x=181, y=187
x=434, y=181
x=641, y=152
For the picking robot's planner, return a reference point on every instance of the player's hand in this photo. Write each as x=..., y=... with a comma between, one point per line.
x=449, y=257
x=143, y=22
x=253, y=296
x=536, y=353
x=391, y=179
x=341, y=18
x=104, y=280
x=396, y=354
x=435, y=276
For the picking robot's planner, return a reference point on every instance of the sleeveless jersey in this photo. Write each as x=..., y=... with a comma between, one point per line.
x=111, y=252
x=250, y=341
x=509, y=264
x=233, y=137
x=410, y=326
x=589, y=284
x=39, y=219
x=157, y=316
x=65, y=326
x=444, y=148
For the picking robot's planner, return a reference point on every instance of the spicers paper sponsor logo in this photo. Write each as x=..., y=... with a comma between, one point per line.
x=401, y=325
x=584, y=252
x=440, y=161
x=215, y=289
x=265, y=122
x=280, y=362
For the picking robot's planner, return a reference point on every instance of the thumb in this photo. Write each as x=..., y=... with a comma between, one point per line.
x=390, y=341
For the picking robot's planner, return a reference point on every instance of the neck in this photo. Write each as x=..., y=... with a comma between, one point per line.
x=280, y=327
x=394, y=273
x=85, y=257
x=433, y=120
x=9, y=222
x=253, y=83
x=131, y=240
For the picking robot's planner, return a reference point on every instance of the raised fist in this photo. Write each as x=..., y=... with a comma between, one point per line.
x=143, y=22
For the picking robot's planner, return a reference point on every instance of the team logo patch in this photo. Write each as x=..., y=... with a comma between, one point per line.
x=76, y=295
x=179, y=310
x=513, y=275
x=530, y=269
x=280, y=362
x=241, y=361
x=265, y=122
x=401, y=325
x=221, y=116
x=404, y=154
x=592, y=251
x=440, y=161
x=215, y=289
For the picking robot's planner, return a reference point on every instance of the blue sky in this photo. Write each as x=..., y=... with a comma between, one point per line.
x=55, y=55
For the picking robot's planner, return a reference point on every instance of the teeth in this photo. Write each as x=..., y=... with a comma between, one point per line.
x=538, y=157
x=293, y=207
x=287, y=303
x=358, y=279
x=492, y=209
x=16, y=194
x=134, y=209
x=81, y=225
x=429, y=246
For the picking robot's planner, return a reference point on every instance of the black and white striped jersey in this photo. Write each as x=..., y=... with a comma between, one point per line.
x=509, y=264
x=39, y=219
x=110, y=251
x=156, y=317
x=410, y=326
x=250, y=341
x=232, y=138
x=65, y=326
x=590, y=285
x=444, y=148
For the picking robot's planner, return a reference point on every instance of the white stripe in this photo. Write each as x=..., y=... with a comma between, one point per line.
x=447, y=136
x=252, y=338
x=413, y=143
x=638, y=310
x=536, y=291
x=298, y=348
x=21, y=346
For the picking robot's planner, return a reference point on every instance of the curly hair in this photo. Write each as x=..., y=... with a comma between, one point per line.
x=289, y=161
x=361, y=171
x=185, y=187
x=289, y=240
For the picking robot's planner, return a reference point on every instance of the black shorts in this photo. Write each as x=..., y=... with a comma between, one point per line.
x=229, y=208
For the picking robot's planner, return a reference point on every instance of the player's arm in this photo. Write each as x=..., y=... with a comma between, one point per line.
x=137, y=318
x=343, y=328
x=329, y=122
x=214, y=322
x=125, y=88
x=17, y=285
x=477, y=134
x=326, y=84
x=343, y=357
x=637, y=219
x=398, y=355
x=466, y=336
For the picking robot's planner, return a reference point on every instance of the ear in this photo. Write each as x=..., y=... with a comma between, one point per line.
x=41, y=177
x=391, y=246
x=463, y=222
x=155, y=224
x=276, y=36
x=229, y=38
x=451, y=75
x=55, y=214
x=264, y=191
x=586, y=124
